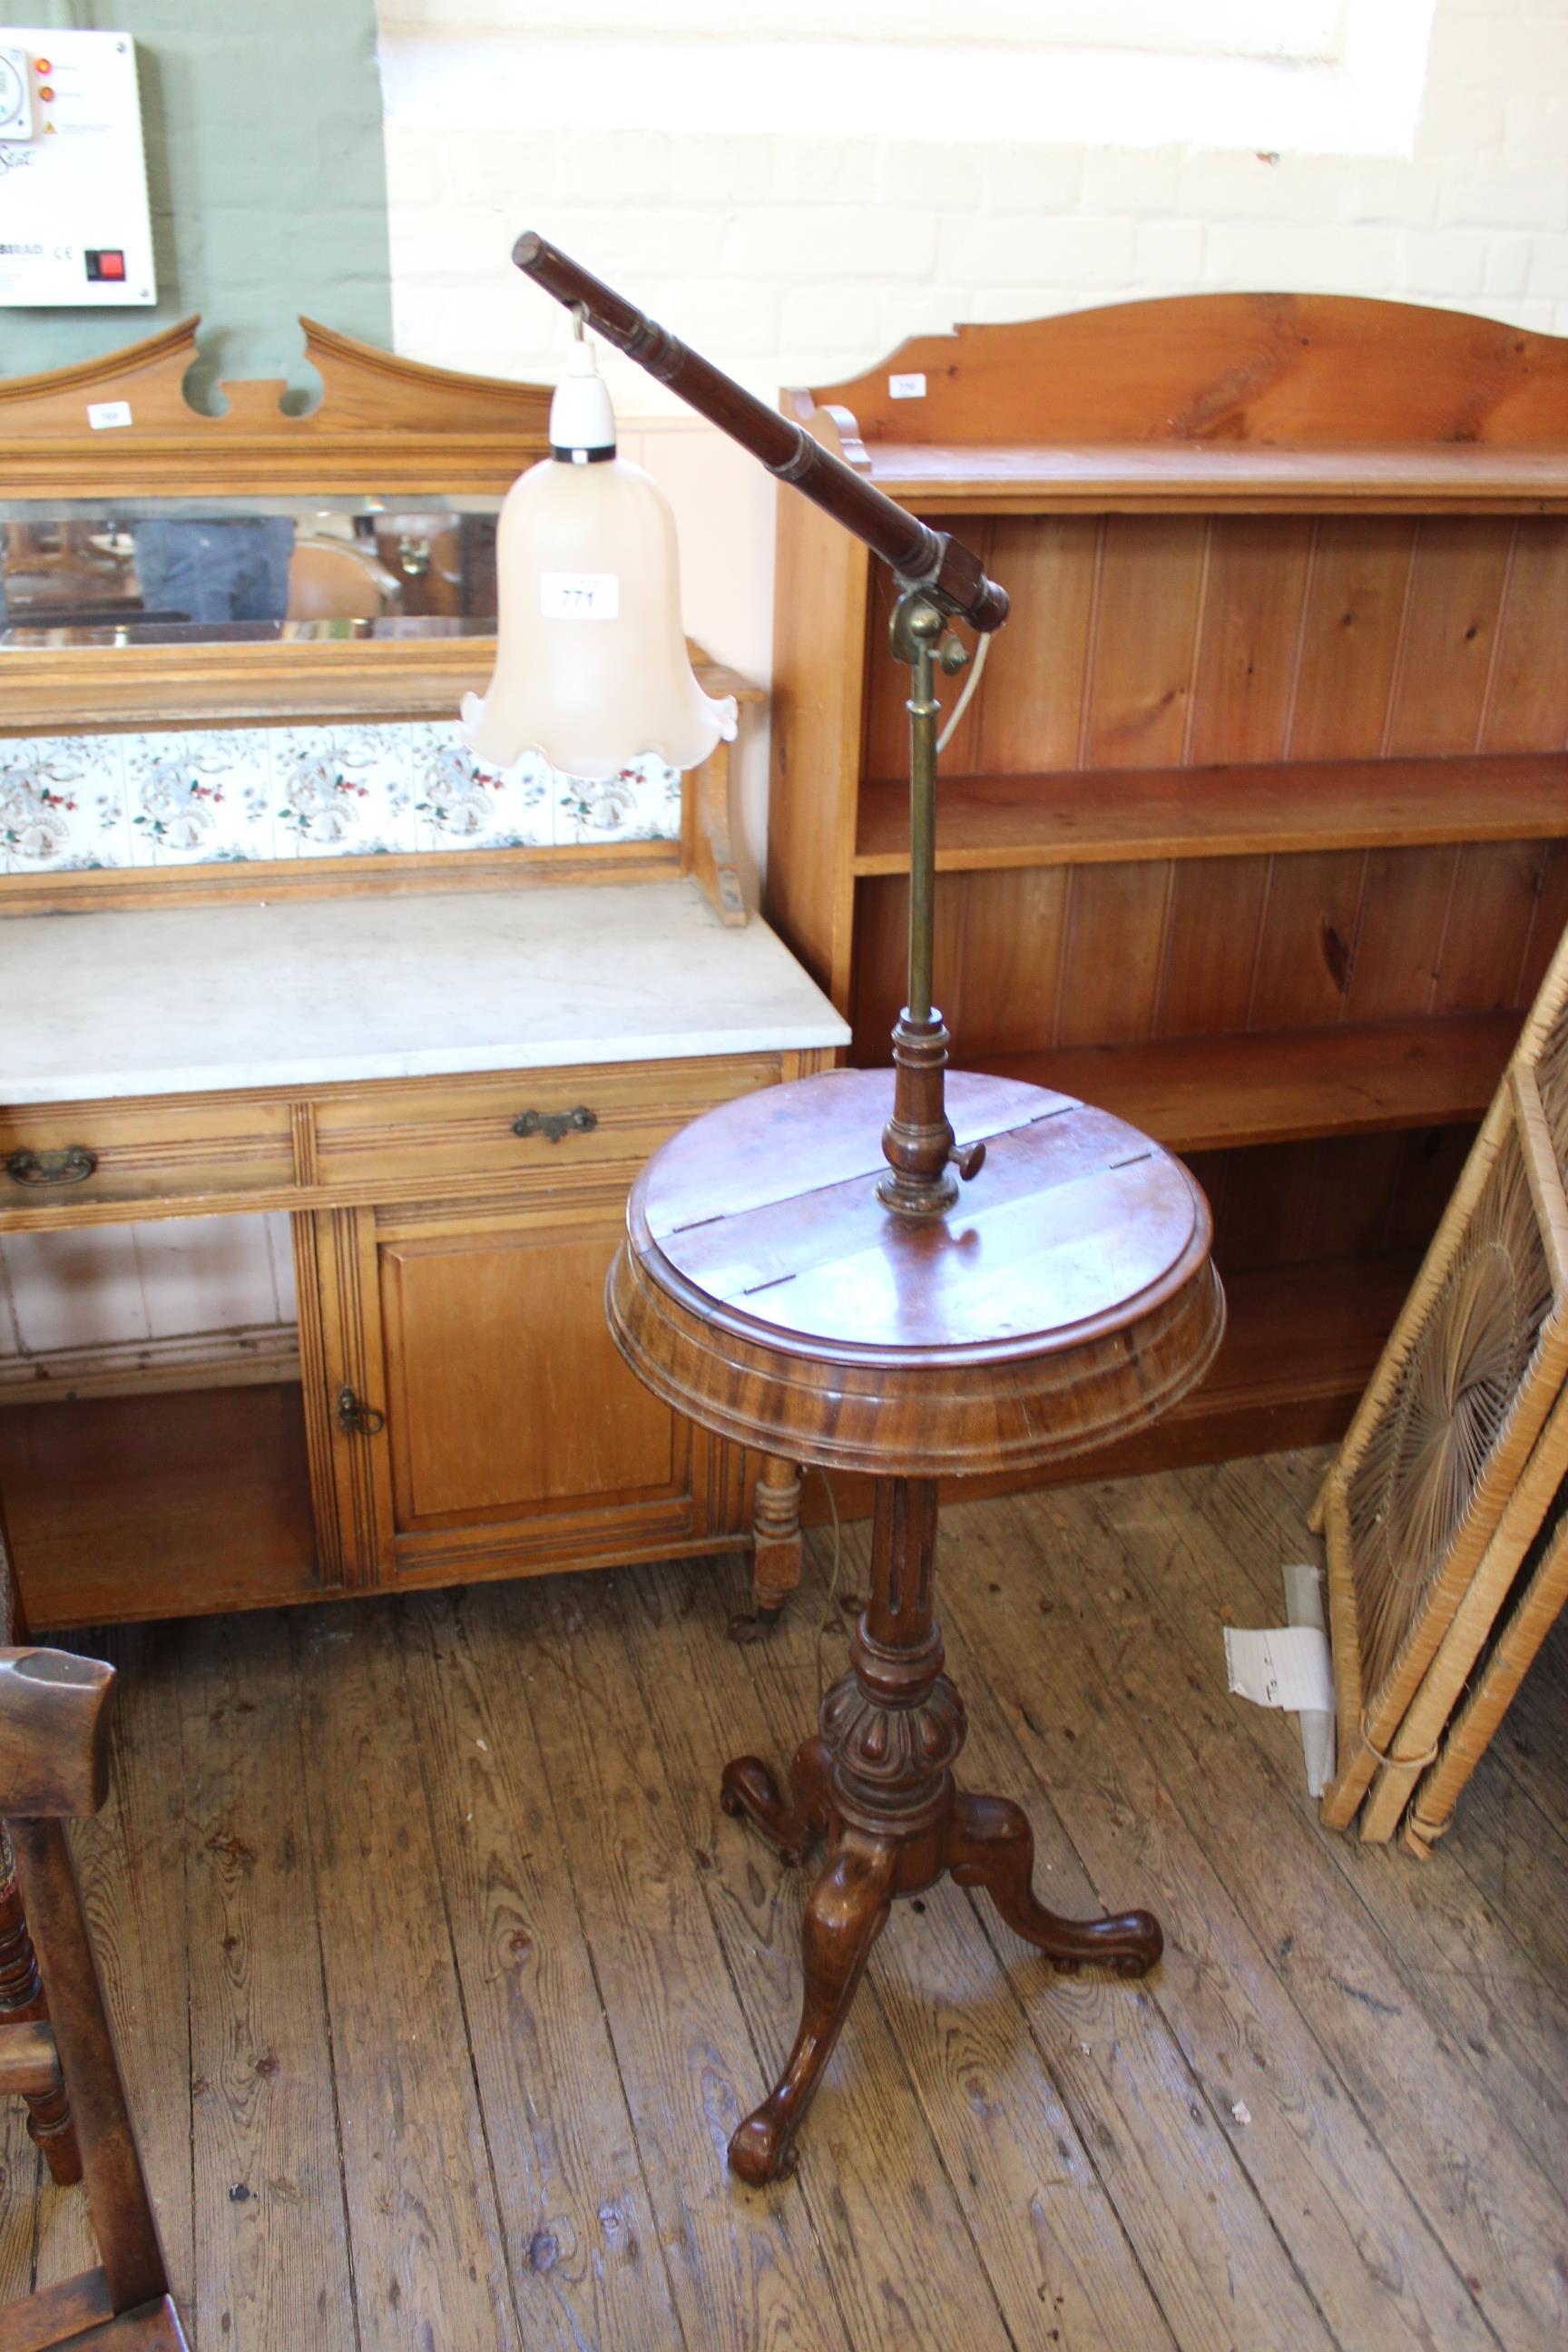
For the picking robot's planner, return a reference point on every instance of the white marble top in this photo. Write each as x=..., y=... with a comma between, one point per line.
x=195, y=999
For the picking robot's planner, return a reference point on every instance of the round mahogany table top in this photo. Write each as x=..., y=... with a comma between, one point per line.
x=1066, y=1298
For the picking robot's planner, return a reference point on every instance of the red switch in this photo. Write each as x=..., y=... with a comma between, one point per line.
x=107, y=264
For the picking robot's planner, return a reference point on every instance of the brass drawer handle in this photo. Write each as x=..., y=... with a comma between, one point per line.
x=356, y=1419
x=73, y=1165
x=554, y=1124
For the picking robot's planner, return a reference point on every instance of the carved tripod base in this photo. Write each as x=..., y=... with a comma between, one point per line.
x=877, y=1781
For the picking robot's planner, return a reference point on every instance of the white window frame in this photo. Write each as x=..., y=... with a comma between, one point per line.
x=1335, y=77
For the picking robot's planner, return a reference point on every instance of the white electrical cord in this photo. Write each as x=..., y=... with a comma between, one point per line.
x=962, y=705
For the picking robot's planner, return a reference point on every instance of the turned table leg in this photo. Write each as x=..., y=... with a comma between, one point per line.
x=49, y=2125
x=877, y=1781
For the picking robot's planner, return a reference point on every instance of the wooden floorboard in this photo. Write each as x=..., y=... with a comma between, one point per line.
x=1484, y=1937
x=881, y=2204
x=744, y=2264
x=582, y=2246
x=271, y=2236
x=440, y=1979
x=1332, y=2198
x=426, y=2239
x=1531, y=1742
x=1341, y=1917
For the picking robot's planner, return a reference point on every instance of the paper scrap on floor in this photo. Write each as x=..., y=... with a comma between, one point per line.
x=1288, y=1666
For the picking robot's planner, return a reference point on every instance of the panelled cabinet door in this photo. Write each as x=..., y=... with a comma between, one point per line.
x=516, y=1437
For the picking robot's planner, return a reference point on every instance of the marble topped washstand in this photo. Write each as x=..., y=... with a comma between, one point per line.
x=450, y=1094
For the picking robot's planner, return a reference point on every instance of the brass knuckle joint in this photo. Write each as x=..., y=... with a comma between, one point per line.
x=917, y=623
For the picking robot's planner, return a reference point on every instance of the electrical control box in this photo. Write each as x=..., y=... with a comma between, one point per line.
x=75, y=230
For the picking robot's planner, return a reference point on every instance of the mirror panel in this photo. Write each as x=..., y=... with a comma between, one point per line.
x=193, y=571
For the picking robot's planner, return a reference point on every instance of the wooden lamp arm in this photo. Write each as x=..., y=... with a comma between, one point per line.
x=949, y=572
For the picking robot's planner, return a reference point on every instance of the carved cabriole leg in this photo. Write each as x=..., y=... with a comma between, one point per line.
x=49, y=2125
x=845, y=1914
x=890, y=1729
x=749, y=1788
x=991, y=1844
x=776, y=1556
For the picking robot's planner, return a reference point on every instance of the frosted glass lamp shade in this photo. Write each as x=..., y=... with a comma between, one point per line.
x=591, y=666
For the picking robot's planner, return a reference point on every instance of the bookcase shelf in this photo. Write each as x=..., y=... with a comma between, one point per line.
x=1203, y=477
x=1256, y=829
x=1096, y=816
x=1283, y=1085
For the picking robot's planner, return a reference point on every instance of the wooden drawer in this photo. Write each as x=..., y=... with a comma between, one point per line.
x=434, y=1133
x=69, y=1161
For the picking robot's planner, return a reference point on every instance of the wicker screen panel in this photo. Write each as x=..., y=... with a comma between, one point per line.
x=1552, y=1084
x=1411, y=1500
x=1460, y=1441
x=1505, y=1655
x=1437, y=1452
x=1491, y=1600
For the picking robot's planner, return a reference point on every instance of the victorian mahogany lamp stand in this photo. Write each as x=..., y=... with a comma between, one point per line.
x=803, y=1274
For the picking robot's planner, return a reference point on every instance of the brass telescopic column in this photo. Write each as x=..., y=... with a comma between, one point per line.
x=917, y=1141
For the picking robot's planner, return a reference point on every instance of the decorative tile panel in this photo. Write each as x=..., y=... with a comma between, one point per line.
x=197, y=797
x=340, y=791
x=642, y=804
x=202, y=796
x=62, y=804
x=460, y=804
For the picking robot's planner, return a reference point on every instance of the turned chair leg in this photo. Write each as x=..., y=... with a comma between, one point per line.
x=990, y=1843
x=776, y=1553
x=49, y=2125
x=845, y=1914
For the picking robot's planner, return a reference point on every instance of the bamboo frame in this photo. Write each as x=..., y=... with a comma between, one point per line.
x=1393, y=1708
x=1507, y=1658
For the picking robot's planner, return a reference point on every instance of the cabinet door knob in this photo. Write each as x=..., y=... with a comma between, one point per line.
x=554, y=1124
x=355, y=1419
x=73, y=1165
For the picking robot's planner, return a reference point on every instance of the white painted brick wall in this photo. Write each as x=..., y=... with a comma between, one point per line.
x=825, y=251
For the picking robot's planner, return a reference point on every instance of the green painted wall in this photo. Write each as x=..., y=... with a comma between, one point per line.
x=266, y=174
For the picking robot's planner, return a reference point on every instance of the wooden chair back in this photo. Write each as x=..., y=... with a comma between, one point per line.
x=54, y=1767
